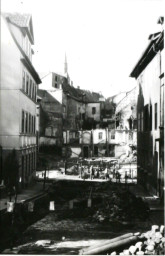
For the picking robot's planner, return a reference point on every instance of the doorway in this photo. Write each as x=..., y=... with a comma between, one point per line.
x=85, y=151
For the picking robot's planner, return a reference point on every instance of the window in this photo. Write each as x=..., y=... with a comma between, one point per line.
x=56, y=82
x=29, y=123
x=93, y=110
x=34, y=124
x=30, y=88
x=35, y=98
x=23, y=81
x=33, y=93
x=156, y=116
x=112, y=134
x=23, y=121
x=26, y=122
x=100, y=135
x=150, y=117
x=56, y=85
x=27, y=84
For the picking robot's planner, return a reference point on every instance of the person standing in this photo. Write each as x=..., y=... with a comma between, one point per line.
x=91, y=171
x=98, y=169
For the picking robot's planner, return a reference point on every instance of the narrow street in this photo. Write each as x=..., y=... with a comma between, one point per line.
x=82, y=127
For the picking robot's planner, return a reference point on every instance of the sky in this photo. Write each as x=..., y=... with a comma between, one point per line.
x=102, y=39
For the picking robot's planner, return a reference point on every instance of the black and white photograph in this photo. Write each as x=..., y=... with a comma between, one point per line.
x=82, y=127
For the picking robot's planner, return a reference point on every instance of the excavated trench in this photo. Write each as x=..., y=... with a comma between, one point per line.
x=67, y=230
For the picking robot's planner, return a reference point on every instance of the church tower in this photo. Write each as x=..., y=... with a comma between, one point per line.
x=66, y=70
x=65, y=66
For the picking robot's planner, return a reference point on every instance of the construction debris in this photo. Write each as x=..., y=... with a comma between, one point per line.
x=115, y=206
x=152, y=243
x=102, y=246
x=121, y=206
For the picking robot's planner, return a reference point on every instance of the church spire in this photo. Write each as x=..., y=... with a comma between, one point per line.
x=65, y=65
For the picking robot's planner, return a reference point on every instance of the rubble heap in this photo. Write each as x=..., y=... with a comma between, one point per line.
x=121, y=206
x=110, y=205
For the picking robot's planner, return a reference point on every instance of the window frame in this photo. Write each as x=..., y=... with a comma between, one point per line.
x=27, y=84
x=156, y=115
x=26, y=122
x=93, y=110
x=23, y=122
x=100, y=135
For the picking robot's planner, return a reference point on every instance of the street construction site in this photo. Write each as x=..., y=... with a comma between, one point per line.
x=96, y=217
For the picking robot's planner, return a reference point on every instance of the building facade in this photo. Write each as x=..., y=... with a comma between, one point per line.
x=18, y=94
x=150, y=114
x=50, y=123
x=126, y=111
x=106, y=142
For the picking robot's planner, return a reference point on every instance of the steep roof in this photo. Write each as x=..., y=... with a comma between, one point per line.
x=90, y=97
x=29, y=30
x=23, y=21
x=156, y=44
x=47, y=97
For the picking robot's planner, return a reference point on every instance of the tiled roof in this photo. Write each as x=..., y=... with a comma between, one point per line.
x=21, y=20
x=77, y=93
x=46, y=96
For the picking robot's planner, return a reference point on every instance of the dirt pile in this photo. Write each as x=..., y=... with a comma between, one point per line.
x=109, y=205
x=121, y=206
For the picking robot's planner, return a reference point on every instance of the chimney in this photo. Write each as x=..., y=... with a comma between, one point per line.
x=78, y=87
